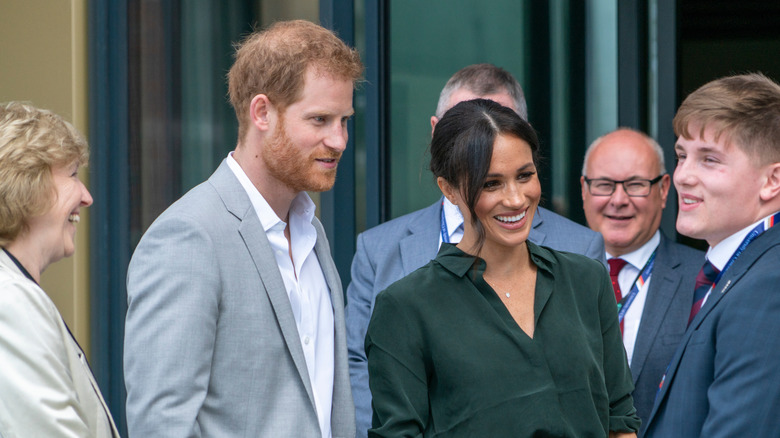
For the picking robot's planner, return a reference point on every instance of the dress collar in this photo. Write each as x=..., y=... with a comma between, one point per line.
x=451, y=258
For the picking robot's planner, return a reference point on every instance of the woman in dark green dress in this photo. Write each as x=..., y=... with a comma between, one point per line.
x=497, y=337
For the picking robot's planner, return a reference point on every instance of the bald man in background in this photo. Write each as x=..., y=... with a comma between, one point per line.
x=624, y=189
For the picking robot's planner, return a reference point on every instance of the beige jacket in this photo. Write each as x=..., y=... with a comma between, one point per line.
x=46, y=386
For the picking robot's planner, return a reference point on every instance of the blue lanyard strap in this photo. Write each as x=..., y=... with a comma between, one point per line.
x=640, y=281
x=445, y=235
x=755, y=232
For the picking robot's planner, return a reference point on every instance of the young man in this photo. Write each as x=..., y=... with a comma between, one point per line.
x=392, y=250
x=724, y=381
x=235, y=323
x=624, y=190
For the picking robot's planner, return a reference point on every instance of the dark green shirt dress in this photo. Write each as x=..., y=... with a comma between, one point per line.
x=446, y=358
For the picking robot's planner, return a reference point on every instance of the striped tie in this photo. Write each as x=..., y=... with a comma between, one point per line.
x=704, y=282
x=615, y=265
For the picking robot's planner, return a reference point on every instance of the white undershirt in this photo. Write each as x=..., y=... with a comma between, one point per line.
x=454, y=222
x=306, y=287
x=720, y=254
x=636, y=261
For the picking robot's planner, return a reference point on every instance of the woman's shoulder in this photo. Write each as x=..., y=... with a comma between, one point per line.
x=22, y=298
x=421, y=281
x=564, y=261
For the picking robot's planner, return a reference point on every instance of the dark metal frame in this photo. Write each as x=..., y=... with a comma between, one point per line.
x=338, y=206
x=633, y=90
x=110, y=215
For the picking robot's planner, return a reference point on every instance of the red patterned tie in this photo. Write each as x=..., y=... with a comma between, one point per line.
x=615, y=265
x=704, y=282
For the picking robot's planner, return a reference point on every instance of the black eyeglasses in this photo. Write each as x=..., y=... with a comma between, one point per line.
x=633, y=187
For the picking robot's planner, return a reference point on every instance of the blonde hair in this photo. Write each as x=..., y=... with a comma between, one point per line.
x=274, y=62
x=744, y=108
x=32, y=142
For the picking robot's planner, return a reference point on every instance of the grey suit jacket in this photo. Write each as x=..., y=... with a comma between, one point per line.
x=211, y=344
x=664, y=318
x=724, y=379
x=392, y=250
x=46, y=386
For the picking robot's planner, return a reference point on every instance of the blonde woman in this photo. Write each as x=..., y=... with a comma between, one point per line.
x=46, y=386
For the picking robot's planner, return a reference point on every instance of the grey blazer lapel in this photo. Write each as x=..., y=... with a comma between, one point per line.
x=322, y=249
x=343, y=408
x=538, y=235
x=663, y=284
x=420, y=245
x=251, y=230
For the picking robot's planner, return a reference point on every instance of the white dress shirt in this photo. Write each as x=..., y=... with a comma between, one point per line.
x=636, y=261
x=454, y=222
x=306, y=287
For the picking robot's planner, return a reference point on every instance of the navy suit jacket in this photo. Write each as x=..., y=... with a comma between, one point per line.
x=390, y=251
x=664, y=318
x=724, y=378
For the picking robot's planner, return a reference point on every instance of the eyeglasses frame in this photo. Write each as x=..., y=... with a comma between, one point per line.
x=614, y=187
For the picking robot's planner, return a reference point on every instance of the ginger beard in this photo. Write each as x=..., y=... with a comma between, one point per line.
x=292, y=166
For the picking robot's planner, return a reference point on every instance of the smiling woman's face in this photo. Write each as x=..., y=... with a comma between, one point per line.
x=509, y=197
x=56, y=229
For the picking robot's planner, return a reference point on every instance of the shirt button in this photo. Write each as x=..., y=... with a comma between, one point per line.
x=306, y=340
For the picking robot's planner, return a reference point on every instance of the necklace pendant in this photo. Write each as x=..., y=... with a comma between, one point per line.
x=507, y=294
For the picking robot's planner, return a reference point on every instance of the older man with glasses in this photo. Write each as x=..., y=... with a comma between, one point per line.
x=624, y=190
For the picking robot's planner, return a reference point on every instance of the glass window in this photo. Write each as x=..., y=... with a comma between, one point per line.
x=563, y=53
x=181, y=122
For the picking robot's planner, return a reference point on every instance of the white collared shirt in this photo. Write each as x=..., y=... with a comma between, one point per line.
x=720, y=254
x=306, y=288
x=454, y=222
x=636, y=261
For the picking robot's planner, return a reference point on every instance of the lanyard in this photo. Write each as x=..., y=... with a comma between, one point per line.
x=755, y=232
x=445, y=235
x=640, y=281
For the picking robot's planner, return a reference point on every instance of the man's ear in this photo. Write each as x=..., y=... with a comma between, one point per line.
x=434, y=121
x=259, y=111
x=771, y=188
x=665, y=184
x=584, y=187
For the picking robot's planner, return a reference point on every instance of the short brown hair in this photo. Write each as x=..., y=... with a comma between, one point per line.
x=274, y=62
x=744, y=108
x=32, y=142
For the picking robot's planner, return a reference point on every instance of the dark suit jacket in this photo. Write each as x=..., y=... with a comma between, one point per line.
x=664, y=318
x=724, y=379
